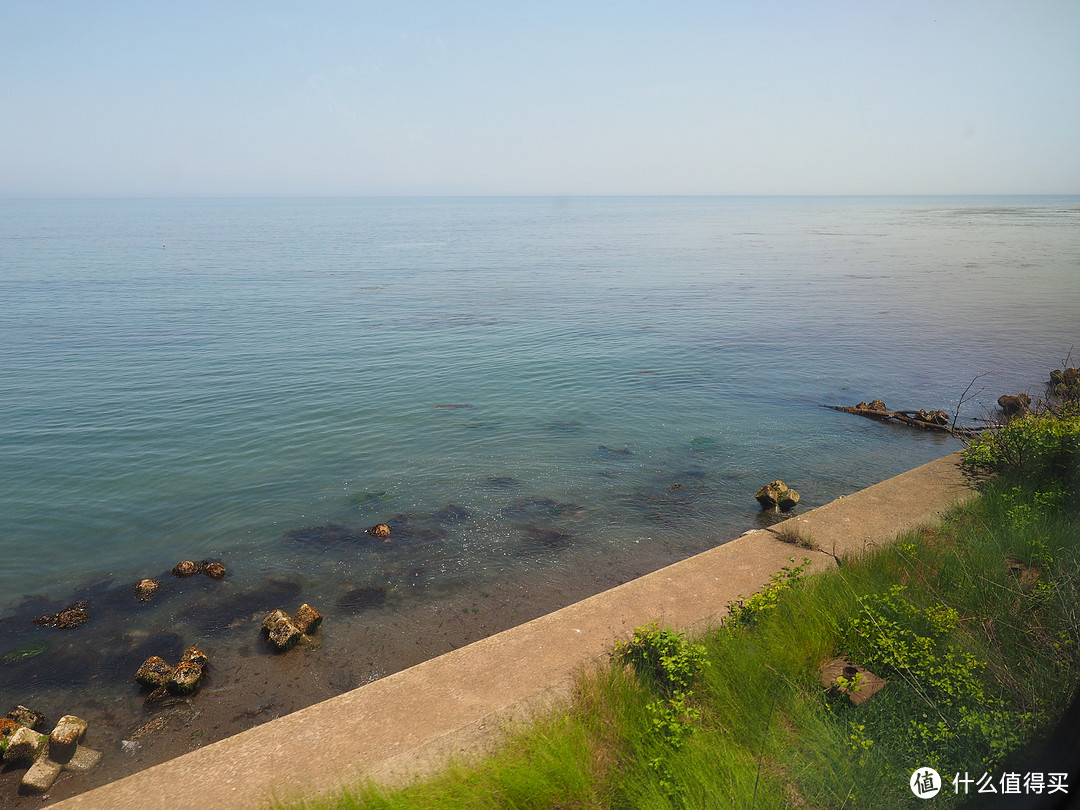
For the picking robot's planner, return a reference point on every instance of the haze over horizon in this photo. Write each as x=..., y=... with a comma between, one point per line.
x=337, y=99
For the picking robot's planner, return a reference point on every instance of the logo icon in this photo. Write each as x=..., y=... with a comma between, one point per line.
x=925, y=783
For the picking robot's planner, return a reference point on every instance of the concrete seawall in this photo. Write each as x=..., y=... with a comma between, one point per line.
x=413, y=721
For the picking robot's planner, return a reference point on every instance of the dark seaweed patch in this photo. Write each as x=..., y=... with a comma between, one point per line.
x=357, y=599
x=450, y=515
x=615, y=453
x=323, y=535
x=543, y=538
x=212, y=616
x=503, y=482
x=540, y=507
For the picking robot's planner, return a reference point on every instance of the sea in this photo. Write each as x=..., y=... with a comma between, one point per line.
x=543, y=394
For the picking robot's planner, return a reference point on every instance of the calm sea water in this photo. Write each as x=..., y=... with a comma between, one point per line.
x=188, y=379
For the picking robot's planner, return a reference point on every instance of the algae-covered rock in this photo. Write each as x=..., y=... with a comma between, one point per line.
x=307, y=619
x=65, y=737
x=71, y=616
x=26, y=717
x=145, y=589
x=272, y=618
x=24, y=744
x=284, y=635
x=186, y=568
x=184, y=679
x=214, y=570
x=771, y=494
x=380, y=530
x=195, y=656
x=154, y=672
x=788, y=501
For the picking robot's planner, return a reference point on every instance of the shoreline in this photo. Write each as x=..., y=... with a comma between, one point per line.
x=474, y=689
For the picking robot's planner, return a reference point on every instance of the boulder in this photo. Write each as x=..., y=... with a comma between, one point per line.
x=84, y=759
x=26, y=717
x=770, y=494
x=214, y=570
x=65, y=737
x=1014, y=405
x=184, y=679
x=284, y=635
x=380, y=530
x=71, y=616
x=186, y=568
x=788, y=501
x=307, y=619
x=195, y=656
x=272, y=618
x=145, y=589
x=154, y=672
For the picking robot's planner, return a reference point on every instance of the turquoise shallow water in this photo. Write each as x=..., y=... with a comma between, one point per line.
x=516, y=385
x=195, y=378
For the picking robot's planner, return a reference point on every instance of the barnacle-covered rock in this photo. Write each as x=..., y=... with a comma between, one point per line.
x=184, y=679
x=284, y=635
x=145, y=589
x=65, y=737
x=195, y=656
x=380, y=530
x=186, y=568
x=154, y=672
x=307, y=619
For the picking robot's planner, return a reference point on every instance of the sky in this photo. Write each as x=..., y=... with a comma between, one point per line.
x=317, y=98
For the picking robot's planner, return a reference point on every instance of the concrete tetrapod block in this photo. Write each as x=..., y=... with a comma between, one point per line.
x=41, y=775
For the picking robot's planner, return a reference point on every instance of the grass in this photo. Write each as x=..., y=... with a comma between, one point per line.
x=974, y=623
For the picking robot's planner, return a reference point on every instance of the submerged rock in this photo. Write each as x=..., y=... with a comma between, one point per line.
x=145, y=589
x=26, y=717
x=362, y=597
x=380, y=530
x=284, y=632
x=284, y=635
x=184, y=678
x=71, y=616
x=186, y=568
x=154, y=672
x=307, y=619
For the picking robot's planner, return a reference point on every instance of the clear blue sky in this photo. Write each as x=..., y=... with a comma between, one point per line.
x=717, y=97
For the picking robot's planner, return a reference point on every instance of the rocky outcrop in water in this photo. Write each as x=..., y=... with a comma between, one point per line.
x=380, y=530
x=777, y=495
x=187, y=568
x=1065, y=383
x=283, y=632
x=181, y=680
x=146, y=588
x=71, y=616
x=1014, y=404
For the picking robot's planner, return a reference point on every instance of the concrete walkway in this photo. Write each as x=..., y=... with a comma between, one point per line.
x=413, y=721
